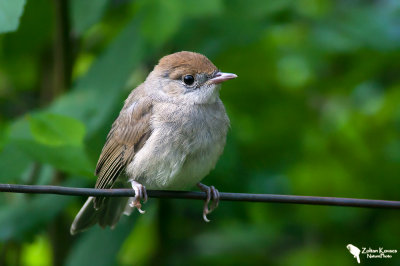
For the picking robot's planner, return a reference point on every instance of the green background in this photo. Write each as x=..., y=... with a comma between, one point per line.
x=315, y=110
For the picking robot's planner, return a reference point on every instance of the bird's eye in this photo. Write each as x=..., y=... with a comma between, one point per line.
x=188, y=79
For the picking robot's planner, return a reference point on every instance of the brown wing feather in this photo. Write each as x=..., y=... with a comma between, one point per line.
x=127, y=136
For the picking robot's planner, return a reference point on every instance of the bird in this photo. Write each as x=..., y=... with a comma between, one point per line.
x=169, y=134
x=355, y=251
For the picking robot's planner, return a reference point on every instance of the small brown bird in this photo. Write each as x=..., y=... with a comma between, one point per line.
x=169, y=135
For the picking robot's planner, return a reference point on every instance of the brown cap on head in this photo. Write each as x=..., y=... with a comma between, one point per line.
x=178, y=64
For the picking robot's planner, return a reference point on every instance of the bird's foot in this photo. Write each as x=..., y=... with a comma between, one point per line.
x=140, y=194
x=212, y=193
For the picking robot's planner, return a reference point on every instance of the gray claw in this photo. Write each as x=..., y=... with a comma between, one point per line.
x=213, y=193
x=140, y=193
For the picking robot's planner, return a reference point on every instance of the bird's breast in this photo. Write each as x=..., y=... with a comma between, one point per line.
x=193, y=128
x=185, y=145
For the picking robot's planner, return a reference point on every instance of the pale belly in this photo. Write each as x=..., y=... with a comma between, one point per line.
x=194, y=169
x=171, y=164
x=183, y=148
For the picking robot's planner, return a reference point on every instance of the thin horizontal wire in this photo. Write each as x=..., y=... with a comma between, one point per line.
x=332, y=201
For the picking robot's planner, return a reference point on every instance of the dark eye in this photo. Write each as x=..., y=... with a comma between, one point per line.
x=188, y=79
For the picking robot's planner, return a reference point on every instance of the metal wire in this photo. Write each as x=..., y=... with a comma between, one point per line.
x=74, y=191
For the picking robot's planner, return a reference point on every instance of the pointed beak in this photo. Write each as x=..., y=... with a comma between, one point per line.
x=221, y=77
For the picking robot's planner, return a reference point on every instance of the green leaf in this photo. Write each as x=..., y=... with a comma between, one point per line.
x=56, y=130
x=38, y=136
x=71, y=159
x=25, y=217
x=164, y=18
x=100, y=246
x=294, y=72
x=84, y=14
x=98, y=92
x=145, y=229
x=38, y=252
x=10, y=12
x=13, y=164
x=200, y=8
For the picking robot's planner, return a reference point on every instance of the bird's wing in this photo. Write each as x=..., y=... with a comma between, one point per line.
x=127, y=136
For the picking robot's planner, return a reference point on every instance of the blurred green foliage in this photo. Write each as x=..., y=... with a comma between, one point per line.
x=10, y=13
x=315, y=111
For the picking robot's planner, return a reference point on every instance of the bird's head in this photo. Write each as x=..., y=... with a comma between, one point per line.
x=187, y=78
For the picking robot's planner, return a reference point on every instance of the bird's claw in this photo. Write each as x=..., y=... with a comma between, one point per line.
x=211, y=193
x=140, y=194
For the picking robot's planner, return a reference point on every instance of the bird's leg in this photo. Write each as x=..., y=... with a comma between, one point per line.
x=212, y=193
x=140, y=194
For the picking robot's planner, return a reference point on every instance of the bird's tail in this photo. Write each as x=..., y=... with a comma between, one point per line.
x=358, y=258
x=107, y=215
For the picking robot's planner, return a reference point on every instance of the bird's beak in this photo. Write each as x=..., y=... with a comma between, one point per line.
x=221, y=77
